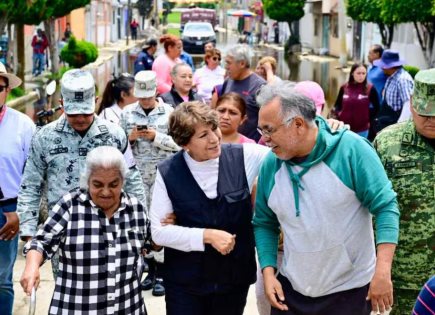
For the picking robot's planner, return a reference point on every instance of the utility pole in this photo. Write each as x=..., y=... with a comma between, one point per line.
x=129, y=20
x=342, y=34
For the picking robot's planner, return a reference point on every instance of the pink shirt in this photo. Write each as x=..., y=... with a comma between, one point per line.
x=162, y=66
x=244, y=139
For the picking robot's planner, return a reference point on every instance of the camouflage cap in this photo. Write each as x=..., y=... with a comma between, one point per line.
x=78, y=92
x=145, y=84
x=423, y=98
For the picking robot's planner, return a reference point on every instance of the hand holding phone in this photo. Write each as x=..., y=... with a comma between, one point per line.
x=142, y=127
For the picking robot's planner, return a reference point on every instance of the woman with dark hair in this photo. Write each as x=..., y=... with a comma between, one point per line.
x=164, y=63
x=117, y=94
x=357, y=101
x=181, y=90
x=231, y=109
x=210, y=75
x=209, y=253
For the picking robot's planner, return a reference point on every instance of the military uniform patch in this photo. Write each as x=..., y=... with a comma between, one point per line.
x=58, y=150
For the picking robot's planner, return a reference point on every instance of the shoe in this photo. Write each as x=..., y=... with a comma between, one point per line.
x=147, y=284
x=158, y=289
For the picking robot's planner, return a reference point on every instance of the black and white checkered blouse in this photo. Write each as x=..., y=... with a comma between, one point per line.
x=98, y=257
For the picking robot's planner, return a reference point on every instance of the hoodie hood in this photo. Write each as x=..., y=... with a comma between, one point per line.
x=326, y=142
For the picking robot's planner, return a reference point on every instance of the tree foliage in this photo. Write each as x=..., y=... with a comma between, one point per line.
x=388, y=13
x=285, y=11
x=144, y=7
x=372, y=11
x=36, y=11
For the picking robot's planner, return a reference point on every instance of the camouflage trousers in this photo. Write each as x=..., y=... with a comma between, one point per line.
x=55, y=265
x=404, y=301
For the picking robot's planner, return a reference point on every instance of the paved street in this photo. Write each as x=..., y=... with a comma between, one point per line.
x=155, y=305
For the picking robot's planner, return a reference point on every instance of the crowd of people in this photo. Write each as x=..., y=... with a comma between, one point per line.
x=220, y=178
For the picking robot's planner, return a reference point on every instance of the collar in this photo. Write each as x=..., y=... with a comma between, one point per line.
x=396, y=74
x=97, y=127
x=85, y=198
x=158, y=110
x=410, y=136
x=174, y=92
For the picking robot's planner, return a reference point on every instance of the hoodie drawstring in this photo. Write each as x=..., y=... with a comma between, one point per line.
x=296, y=183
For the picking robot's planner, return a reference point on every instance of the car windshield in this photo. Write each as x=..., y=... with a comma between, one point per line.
x=198, y=27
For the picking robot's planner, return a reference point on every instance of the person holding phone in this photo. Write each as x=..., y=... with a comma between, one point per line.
x=146, y=123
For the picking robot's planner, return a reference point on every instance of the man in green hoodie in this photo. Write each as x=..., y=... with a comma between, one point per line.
x=321, y=188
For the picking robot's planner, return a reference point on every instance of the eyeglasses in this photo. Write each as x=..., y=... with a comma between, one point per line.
x=269, y=132
x=3, y=87
x=216, y=59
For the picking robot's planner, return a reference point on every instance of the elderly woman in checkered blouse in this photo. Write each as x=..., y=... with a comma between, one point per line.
x=100, y=232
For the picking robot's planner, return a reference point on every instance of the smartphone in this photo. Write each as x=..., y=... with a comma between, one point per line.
x=142, y=127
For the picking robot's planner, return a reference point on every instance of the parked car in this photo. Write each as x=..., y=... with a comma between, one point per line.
x=195, y=35
x=199, y=15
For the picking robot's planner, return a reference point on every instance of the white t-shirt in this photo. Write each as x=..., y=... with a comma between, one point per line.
x=206, y=79
x=206, y=175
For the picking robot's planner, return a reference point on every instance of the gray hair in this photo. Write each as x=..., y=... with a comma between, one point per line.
x=292, y=103
x=177, y=66
x=104, y=157
x=241, y=53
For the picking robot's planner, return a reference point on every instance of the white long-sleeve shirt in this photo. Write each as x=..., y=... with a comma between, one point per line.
x=206, y=175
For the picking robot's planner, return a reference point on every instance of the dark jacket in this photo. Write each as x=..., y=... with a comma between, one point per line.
x=231, y=211
x=174, y=99
x=144, y=61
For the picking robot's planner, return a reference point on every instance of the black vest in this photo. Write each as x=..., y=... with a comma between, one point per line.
x=231, y=211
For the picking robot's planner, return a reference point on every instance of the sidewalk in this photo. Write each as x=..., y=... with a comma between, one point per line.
x=155, y=305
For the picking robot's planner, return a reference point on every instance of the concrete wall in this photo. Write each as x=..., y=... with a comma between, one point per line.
x=78, y=25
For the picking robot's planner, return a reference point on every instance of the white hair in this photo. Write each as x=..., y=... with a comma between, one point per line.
x=292, y=103
x=241, y=53
x=104, y=157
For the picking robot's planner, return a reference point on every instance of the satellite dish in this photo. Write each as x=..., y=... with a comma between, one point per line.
x=51, y=88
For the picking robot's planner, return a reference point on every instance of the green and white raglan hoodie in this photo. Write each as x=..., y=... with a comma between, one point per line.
x=324, y=206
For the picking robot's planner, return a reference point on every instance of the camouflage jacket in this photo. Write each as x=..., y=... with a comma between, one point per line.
x=148, y=153
x=409, y=162
x=57, y=159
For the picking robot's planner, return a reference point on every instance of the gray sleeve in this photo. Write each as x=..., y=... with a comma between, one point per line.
x=134, y=185
x=29, y=196
x=165, y=142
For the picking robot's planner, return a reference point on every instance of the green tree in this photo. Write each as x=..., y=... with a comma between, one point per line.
x=419, y=12
x=371, y=11
x=145, y=7
x=286, y=11
x=388, y=13
x=33, y=12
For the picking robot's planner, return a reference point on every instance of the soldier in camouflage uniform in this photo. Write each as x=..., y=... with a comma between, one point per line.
x=146, y=123
x=407, y=152
x=59, y=149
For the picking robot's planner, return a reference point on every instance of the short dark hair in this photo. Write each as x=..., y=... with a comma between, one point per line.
x=112, y=93
x=378, y=49
x=185, y=117
x=235, y=99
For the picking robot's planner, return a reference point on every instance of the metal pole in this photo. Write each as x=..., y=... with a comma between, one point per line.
x=342, y=34
x=128, y=20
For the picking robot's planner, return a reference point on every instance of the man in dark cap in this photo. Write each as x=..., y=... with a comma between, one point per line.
x=397, y=90
x=145, y=58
